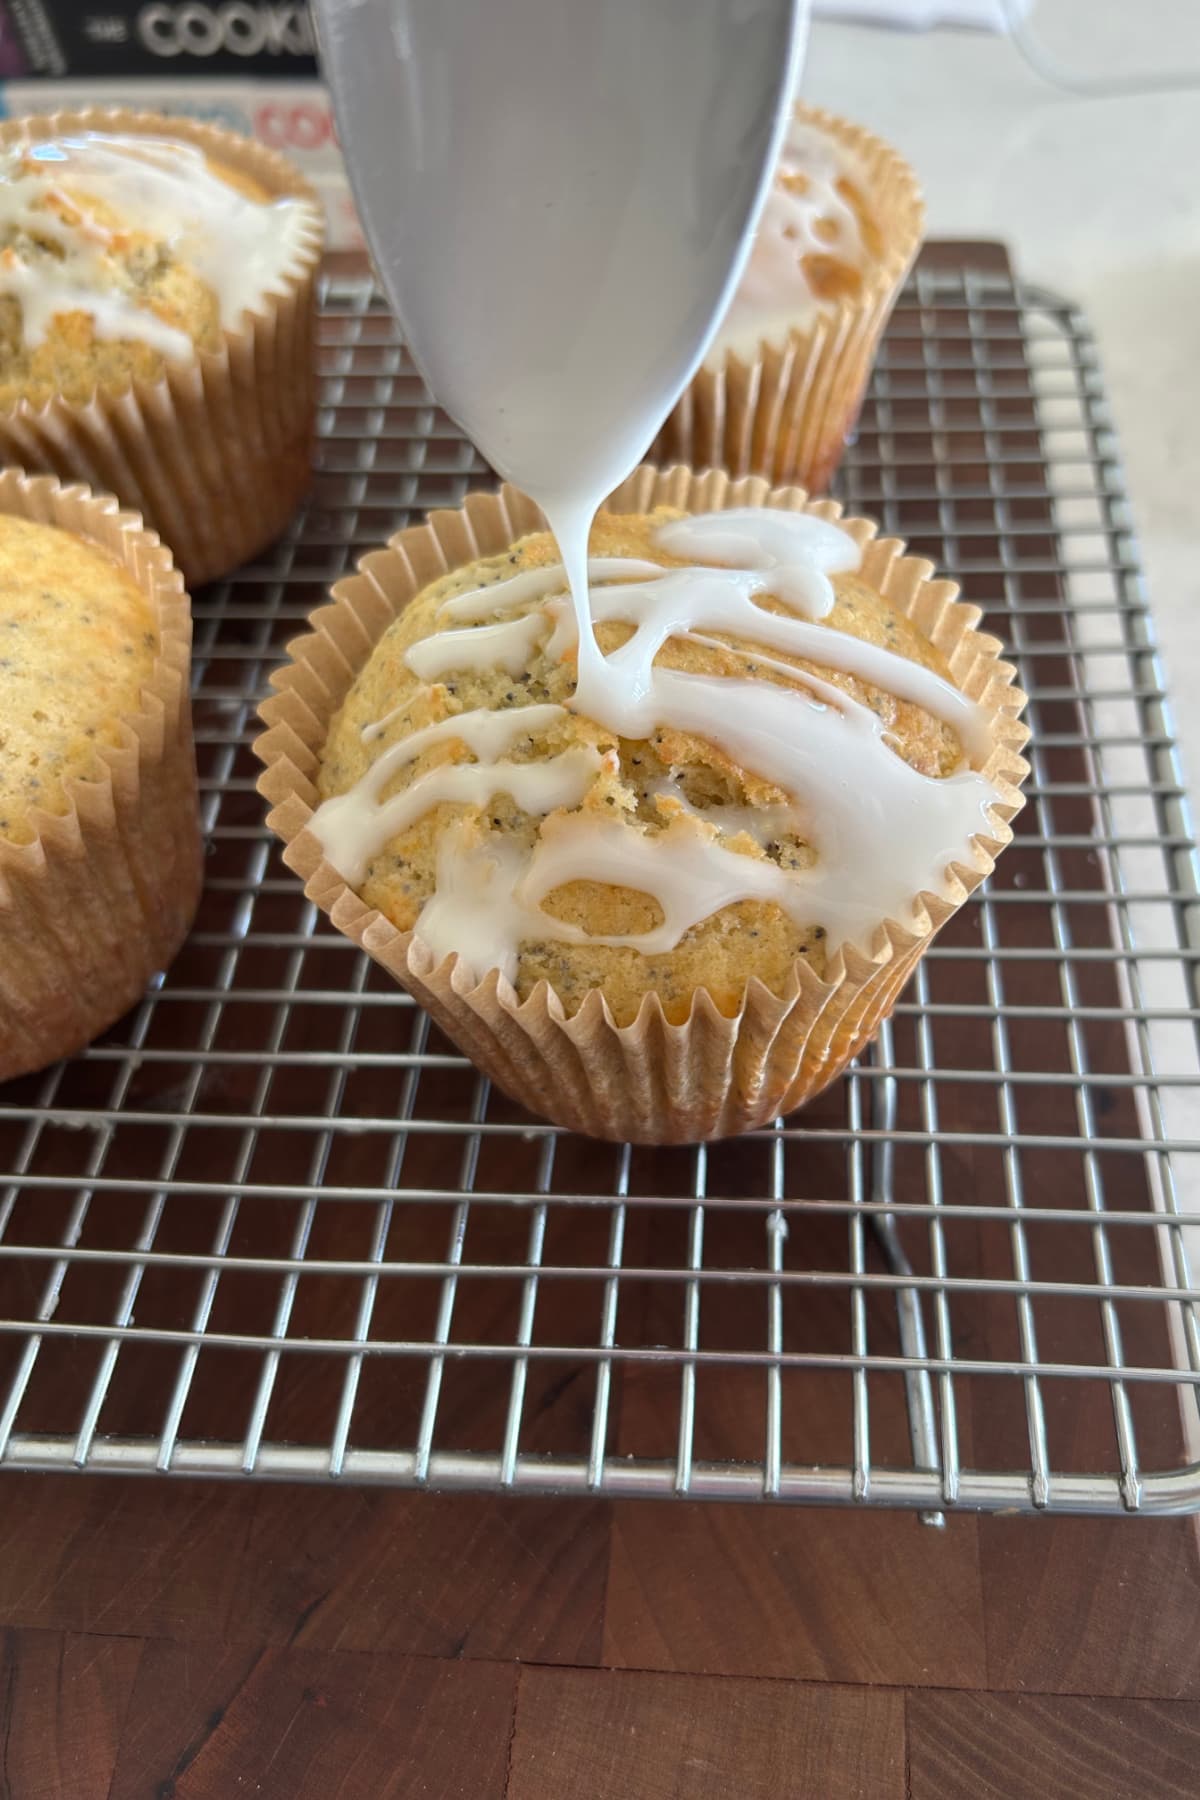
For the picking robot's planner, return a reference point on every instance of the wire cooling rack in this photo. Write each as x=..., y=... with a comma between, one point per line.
x=273, y=1225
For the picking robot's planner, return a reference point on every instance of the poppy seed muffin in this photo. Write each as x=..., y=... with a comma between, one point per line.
x=780, y=388
x=157, y=323
x=97, y=284
x=99, y=834
x=818, y=236
x=672, y=1043
x=78, y=642
x=671, y=782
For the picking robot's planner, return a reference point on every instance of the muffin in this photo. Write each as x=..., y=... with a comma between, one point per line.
x=664, y=935
x=156, y=323
x=781, y=386
x=99, y=835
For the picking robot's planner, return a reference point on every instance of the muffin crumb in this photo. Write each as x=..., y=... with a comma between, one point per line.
x=80, y=648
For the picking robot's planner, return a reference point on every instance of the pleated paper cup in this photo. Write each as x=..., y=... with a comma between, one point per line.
x=215, y=453
x=649, y=1081
x=787, y=412
x=104, y=895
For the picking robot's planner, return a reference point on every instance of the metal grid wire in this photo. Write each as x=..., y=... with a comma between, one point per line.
x=274, y=1225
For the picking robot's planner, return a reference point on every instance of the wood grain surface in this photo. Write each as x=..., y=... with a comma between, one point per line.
x=206, y=1640
x=672, y=1737
x=1039, y=1747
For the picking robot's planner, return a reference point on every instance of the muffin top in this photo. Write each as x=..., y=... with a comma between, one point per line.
x=801, y=770
x=78, y=642
x=119, y=253
x=816, y=238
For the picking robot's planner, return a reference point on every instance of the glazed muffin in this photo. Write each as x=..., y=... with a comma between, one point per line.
x=669, y=933
x=672, y=782
x=99, y=841
x=156, y=323
x=783, y=380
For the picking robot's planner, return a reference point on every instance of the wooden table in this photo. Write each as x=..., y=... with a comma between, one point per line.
x=194, y=1639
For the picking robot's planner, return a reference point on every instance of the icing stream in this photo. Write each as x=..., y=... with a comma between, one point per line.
x=881, y=832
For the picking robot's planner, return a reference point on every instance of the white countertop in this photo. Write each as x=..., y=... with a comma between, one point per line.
x=1098, y=199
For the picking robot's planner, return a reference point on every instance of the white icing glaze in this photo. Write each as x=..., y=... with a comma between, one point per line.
x=684, y=868
x=799, y=552
x=881, y=832
x=536, y=787
x=500, y=597
x=353, y=826
x=507, y=646
x=114, y=315
x=775, y=293
x=477, y=877
x=488, y=895
x=884, y=833
x=761, y=824
x=239, y=247
x=680, y=601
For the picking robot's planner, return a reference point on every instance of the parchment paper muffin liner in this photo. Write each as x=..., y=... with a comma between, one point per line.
x=649, y=1081
x=106, y=891
x=787, y=412
x=216, y=452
